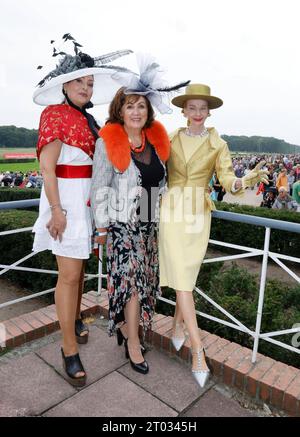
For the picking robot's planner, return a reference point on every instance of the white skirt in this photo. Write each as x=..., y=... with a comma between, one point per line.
x=74, y=195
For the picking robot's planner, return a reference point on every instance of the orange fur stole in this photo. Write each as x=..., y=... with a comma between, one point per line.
x=118, y=146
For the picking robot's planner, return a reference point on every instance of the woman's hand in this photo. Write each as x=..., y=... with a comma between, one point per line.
x=57, y=225
x=255, y=176
x=101, y=239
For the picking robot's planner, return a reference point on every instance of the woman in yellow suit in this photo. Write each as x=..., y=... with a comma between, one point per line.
x=196, y=154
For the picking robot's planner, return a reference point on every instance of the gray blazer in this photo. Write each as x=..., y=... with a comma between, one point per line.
x=115, y=195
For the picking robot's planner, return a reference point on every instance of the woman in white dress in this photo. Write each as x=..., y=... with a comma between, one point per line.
x=66, y=144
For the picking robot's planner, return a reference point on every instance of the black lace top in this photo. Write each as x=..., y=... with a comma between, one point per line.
x=152, y=172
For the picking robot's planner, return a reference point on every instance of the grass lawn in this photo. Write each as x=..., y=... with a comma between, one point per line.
x=24, y=167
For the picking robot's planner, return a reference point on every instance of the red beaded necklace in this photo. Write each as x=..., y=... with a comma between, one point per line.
x=140, y=148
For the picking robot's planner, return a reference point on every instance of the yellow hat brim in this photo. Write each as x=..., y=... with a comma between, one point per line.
x=213, y=102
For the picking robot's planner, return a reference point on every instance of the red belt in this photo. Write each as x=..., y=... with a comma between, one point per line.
x=73, y=171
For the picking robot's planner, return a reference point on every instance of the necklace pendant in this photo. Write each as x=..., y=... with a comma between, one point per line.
x=141, y=147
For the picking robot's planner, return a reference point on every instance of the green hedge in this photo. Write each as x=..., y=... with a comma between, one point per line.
x=16, y=160
x=14, y=194
x=284, y=242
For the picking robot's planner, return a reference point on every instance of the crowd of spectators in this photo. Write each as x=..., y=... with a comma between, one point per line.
x=21, y=180
x=283, y=190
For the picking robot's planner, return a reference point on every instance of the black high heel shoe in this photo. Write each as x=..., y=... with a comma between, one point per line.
x=121, y=338
x=80, y=327
x=138, y=367
x=72, y=366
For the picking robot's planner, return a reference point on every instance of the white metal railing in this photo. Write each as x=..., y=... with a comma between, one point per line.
x=15, y=266
x=234, y=323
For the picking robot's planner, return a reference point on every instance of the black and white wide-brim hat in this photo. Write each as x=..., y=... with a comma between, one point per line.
x=105, y=87
x=70, y=67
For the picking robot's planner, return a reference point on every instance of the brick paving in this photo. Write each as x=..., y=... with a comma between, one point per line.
x=32, y=383
x=269, y=387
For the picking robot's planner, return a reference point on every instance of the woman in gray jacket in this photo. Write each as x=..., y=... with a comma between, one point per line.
x=128, y=178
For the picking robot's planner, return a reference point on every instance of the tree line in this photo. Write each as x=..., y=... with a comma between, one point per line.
x=17, y=137
x=256, y=144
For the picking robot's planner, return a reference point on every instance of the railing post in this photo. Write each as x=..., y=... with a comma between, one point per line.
x=261, y=293
x=100, y=269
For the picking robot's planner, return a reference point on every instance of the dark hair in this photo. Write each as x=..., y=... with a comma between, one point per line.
x=121, y=99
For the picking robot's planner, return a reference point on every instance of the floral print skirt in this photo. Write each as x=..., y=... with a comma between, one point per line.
x=132, y=268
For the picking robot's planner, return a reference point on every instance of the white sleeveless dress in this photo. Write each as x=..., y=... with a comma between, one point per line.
x=74, y=196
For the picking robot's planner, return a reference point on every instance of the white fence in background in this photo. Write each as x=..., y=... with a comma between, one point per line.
x=248, y=252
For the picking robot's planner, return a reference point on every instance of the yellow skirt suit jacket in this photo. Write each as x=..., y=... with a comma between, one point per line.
x=185, y=215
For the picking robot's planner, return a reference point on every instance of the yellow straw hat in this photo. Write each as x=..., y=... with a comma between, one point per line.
x=197, y=91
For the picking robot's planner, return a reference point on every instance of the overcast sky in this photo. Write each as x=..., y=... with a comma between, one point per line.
x=247, y=51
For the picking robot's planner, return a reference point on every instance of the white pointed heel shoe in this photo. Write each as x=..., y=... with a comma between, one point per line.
x=177, y=341
x=201, y=376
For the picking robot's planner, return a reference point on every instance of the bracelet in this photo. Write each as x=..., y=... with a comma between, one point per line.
x=100, y=234
x=55, y=206
x=64, y=211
